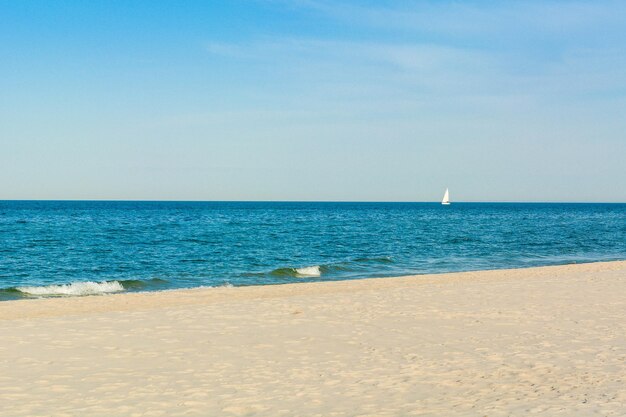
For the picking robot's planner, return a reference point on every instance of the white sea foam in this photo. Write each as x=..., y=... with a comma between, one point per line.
x=205, y=287
x=74, y=288
x=309, y=271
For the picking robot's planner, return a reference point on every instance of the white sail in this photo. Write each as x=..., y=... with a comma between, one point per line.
x=446, y=198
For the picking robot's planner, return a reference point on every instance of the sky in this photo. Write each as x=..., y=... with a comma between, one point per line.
x=313, y=100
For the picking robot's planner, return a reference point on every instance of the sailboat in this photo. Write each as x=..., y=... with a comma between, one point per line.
x=446, y=198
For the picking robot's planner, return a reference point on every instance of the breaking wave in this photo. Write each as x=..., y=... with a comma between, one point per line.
x=80, y=288
x=354, y=266
x=309, y=271
x=306, y=271
x=74, y=288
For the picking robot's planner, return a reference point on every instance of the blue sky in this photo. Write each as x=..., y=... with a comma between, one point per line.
x=313, y=100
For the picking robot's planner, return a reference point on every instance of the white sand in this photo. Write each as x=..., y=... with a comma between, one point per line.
x=549, y=341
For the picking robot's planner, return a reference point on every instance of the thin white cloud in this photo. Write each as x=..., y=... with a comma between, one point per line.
x=473, y=18
x=464, y=48
x=435, y=68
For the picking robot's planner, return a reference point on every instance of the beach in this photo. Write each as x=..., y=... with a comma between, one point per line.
x=545, y=340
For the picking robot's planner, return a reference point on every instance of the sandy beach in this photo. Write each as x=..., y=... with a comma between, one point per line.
x=548, y=341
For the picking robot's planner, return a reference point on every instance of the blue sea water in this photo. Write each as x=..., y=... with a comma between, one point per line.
x=52, y=248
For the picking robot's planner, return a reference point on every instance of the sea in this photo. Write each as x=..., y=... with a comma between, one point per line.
x=74, y=248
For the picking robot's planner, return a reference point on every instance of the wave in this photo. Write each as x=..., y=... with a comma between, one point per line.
x=74, y=288
x=351, y=266
x=140, y=284
x=309, y=271
x=80, y=288
x=306, y=271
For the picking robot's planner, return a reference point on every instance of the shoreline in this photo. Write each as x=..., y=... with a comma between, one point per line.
x=542, y=340
x=138, y=300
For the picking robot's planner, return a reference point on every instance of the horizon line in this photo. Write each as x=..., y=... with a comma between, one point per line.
x=312, y=201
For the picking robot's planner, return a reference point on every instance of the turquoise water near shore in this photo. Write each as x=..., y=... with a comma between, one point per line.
x=56, y=248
